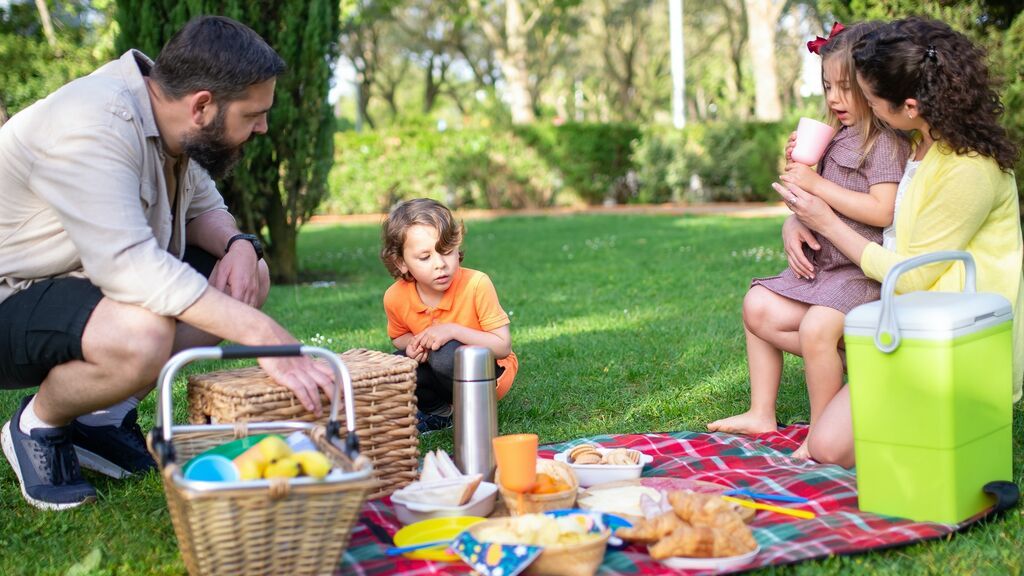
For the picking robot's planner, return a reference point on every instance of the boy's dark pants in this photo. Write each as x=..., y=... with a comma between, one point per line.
x=435, y=378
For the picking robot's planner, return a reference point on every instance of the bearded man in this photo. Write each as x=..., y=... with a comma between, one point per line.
x=116, y=250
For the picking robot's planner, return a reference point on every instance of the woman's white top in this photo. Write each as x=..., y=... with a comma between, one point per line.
x=889, y=232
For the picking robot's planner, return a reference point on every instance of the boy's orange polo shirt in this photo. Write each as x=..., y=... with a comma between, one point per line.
x=470, y=301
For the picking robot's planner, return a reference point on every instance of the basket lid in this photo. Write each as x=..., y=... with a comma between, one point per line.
x=933, y=315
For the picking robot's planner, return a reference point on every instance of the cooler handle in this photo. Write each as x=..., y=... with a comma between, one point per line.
x=887, y=336
x=165, y=411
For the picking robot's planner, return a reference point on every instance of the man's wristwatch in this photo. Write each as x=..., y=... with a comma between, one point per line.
x=252, y=239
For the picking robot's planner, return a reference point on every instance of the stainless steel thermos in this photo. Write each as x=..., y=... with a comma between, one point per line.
x=476, y=410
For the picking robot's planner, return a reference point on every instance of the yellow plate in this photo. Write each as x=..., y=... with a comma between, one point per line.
x=431, y=530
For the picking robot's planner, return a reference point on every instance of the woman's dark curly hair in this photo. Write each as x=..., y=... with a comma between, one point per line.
x=946, y=73
x=422, y=212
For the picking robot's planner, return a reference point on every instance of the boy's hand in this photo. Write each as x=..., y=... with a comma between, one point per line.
x=789, y=146
x=802, y=176
x=436, y=336
x=415, y=351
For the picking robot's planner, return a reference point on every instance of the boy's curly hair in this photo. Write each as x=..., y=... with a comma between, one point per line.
x=423, y=212
x=948, y=76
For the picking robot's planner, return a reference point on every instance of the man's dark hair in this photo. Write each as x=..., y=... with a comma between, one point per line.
x=217, y=54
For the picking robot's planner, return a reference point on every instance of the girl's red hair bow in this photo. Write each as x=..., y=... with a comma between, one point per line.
x=816, y=44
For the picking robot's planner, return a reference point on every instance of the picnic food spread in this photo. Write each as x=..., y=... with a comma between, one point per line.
x=699, y=525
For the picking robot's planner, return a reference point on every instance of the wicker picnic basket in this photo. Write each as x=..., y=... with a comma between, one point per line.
x=293, y=526
x=385, y=399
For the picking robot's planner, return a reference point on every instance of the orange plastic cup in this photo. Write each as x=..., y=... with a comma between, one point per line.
x=516, y=456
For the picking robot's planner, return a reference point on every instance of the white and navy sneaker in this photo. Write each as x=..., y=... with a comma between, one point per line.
x=45, y=464
x=115, y=451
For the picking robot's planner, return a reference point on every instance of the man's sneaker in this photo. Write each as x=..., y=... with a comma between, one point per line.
x=117, y=451
x=430, y=422
x=45, y=464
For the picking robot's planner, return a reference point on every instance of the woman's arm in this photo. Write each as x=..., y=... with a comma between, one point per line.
x=814, y=213
x=874, y=208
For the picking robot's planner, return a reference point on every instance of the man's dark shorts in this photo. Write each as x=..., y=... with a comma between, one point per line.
x=41, y=326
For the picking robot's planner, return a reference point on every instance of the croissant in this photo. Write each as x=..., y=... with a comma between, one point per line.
x=698, y=542
x=651, y=530
x=708, y=510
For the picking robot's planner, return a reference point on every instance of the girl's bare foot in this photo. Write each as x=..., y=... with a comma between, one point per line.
x=803, y=452
x=746, y=423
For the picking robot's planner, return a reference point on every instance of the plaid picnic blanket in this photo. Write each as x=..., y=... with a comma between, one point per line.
x=759, y=463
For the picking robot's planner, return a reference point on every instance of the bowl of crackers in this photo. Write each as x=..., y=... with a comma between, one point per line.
x=594, y=464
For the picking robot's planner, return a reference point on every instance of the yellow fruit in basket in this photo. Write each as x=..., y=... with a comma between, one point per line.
x=274, y=448
x=287, y=467
x=313, y=463
x=250, y=470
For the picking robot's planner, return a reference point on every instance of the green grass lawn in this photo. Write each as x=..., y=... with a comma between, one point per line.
x=621, y=323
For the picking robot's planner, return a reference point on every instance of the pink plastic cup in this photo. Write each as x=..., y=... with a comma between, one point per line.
x=812, y=137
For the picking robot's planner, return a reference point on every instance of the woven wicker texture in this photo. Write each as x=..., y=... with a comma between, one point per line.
x=283, y=529
x=384, y=386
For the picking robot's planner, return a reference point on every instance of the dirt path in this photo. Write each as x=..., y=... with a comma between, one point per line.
x=731, y=209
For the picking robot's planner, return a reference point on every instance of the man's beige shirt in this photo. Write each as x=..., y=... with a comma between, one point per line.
x=83, y=193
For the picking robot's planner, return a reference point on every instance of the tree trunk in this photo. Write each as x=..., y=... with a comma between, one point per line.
x=44, y=19
x=762, y=19
x=514, y=64
x=3, y=112
x=281, y=253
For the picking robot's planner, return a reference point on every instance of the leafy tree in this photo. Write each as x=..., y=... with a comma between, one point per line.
x=283, y=176
x=32, y=67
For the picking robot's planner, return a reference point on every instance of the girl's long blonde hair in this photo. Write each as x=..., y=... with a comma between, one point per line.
x=840, y=48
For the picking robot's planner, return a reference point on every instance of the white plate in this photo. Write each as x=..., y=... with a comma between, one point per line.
x=726, y=563
x=593, y=474
x=481, y=504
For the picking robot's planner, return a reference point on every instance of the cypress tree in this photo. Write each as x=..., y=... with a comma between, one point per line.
x=283, y=175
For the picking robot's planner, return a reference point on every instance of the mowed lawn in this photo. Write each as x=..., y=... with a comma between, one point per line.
x=622, y=323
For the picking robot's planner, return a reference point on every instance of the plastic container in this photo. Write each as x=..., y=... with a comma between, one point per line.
x=481, y=504
x=594, y=474
x=930, y=389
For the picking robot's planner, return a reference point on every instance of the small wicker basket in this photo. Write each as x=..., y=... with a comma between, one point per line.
x=385, y=398
x=518, y=503
x=571, y=560
x=281, y=526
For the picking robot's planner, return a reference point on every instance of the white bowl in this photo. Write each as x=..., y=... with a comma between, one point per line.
x=593, y=474
x=481, y=504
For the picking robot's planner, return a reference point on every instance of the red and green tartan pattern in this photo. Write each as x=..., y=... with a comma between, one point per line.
x=761, y=463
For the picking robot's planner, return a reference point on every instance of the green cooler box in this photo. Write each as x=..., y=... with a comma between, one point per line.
x=930, y=377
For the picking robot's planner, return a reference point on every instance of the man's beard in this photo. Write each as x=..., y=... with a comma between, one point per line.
x=209, y=148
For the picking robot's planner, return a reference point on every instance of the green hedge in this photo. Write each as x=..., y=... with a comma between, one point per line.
x=546, y=165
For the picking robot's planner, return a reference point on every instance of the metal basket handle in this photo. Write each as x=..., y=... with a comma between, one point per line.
x=887, y=336
x=163, y=431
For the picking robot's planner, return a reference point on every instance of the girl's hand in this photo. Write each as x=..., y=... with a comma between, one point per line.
x=801, y=175
x=810, y=210
x=789, y=146
x=794, y=236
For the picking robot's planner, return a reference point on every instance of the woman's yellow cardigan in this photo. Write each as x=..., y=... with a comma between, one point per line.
x=960, y=202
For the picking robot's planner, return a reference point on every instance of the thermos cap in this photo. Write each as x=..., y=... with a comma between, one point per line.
x=474, y=363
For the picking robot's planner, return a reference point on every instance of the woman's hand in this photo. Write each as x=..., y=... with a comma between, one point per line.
x=794, y=236
x=803, y=176
x=810, y=210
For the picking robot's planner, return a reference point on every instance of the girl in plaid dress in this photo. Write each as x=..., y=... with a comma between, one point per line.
x=801, y=311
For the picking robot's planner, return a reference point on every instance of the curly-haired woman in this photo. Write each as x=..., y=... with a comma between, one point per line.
x=958, y=192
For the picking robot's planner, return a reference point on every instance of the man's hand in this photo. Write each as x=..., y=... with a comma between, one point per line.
x=794, y=236
x=240, y=275
x=302, y=376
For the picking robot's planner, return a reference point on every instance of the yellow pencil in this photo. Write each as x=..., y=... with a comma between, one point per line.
x=805, y=514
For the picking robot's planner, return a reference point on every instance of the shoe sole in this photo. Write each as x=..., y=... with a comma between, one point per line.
x=12, y=459
x=96, y=463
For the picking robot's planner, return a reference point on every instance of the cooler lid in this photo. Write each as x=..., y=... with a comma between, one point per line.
x=934, y=312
